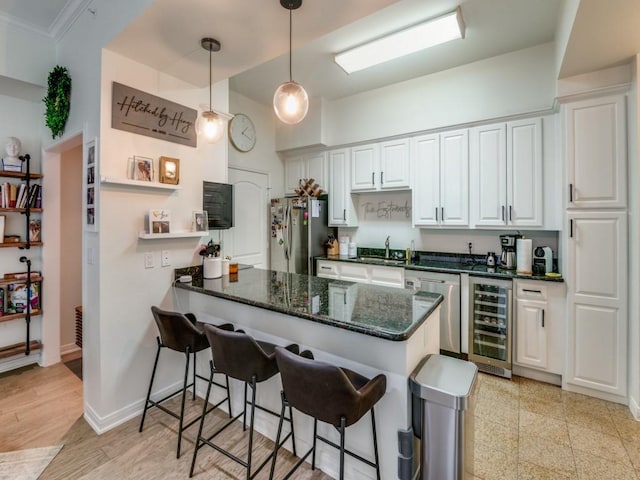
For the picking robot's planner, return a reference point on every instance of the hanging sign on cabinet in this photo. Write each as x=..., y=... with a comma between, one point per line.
x=139, y=112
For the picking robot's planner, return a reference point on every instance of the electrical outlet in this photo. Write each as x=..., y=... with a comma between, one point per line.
x=148, y=260
x=165, y=258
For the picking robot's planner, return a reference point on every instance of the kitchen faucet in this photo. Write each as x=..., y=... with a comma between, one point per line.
x=386, y=246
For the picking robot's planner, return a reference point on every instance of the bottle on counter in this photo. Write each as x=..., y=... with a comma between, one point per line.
x=353, y=250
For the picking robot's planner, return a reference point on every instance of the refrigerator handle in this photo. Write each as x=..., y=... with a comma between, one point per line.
x=285, y=237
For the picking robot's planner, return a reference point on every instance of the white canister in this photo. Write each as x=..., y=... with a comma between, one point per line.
x=353, y=250
x=225, y=266
x=212, y=267
x=344, y=246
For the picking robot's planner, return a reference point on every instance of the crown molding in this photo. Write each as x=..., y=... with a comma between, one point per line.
x=31, y=27
x=67, y=17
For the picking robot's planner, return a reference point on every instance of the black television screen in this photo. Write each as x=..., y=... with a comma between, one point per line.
x=217, y=201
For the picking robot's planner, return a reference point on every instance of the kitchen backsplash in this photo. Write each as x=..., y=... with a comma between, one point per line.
x=389, y=214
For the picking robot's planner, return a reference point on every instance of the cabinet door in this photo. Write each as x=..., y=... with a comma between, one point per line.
x=364, y=168
x=454, y=178
x=354, y=272
x=327, y=269
x=488, y=175
x=339, y=187
x=394, y=164
x=294, y=170
x=316, y=168
x=597, y=297
x=387, y=276
x=531, y=333
x=426, y=183
x=524, y=173
x=596, y=152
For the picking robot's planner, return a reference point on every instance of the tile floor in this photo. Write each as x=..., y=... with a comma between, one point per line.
x=525, y=430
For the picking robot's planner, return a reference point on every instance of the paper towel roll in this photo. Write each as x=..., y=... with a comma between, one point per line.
x=212, y=267
x=524, y=248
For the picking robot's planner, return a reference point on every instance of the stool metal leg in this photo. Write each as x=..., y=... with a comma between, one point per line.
x=197, y=445
x=277, y=445
x=375, y=443
x=184, y=394
x=315, y=436
x=228, y=396
x=342, y=429
x=153, y=375
x=293, y=433
x=244, y=411
x=194, y=375
x=253, y=411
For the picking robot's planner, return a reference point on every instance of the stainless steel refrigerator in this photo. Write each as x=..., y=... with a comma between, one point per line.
x=299, y=233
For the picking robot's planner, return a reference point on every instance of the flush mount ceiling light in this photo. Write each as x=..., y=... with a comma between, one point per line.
x=210, y=124
x=291, y=101
x=409, y=40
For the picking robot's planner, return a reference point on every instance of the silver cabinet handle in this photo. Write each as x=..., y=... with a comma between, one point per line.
x=325, y=268
x=344, y=214
x=436, y=214
x=543, y=318
x=502, y=208
x=531, y=291
x=381, y=178
x=571, y=192
x=373, y=178
x=442, y=213
x=571, y=228
x=510, y=213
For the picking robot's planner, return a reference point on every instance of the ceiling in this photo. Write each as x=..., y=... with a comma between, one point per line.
x=254, y=37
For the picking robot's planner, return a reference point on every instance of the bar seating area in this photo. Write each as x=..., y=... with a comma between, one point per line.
x=327, y=393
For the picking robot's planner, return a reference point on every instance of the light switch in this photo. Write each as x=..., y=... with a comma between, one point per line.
x=165, y=258
x=148, y=260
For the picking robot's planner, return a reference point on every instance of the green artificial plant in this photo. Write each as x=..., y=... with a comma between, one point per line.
x=58, y=100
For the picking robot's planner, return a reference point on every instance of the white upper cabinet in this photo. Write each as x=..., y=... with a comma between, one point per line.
x=441, y=184
x=380, y=166
x=506, y=174
x=342, y=210
x=596, y=154
x=313, y=165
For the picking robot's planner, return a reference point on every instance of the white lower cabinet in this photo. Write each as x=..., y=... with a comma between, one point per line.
x=539, y=325
x=341, y=302
x=362, y=273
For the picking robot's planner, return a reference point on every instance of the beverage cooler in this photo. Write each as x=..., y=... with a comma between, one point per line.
x=490, y=325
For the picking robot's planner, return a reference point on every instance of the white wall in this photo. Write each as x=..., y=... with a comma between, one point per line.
x=634, y=240
x=511, y=84
x=71, y=245
x=263, y=157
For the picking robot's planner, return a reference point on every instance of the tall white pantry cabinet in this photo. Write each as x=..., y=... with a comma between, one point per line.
x=596, y=242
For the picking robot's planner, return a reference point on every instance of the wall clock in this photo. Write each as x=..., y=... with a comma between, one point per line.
x=242, y=132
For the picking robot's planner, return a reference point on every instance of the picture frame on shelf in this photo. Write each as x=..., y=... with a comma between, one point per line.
x=90, y=192
x=143, y=169
x=169, y=170
x=159, y=220
x=35, y=227
x=200, y=221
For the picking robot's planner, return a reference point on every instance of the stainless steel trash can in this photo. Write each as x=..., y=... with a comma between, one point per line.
x=443, y=395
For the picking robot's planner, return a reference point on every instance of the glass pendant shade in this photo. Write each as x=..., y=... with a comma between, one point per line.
x=210, y=125
x=291, y=102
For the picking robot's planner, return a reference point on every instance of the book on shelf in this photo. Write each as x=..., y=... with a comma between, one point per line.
x=17, y=298
x=21, y=275
x=1, y=301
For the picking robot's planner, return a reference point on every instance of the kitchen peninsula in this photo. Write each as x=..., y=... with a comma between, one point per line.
x=367, y=328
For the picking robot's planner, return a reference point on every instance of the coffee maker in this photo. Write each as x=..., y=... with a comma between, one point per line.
x=508, y=256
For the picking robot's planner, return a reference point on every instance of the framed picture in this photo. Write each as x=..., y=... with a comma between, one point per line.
x=169, y=170
x=91, y=164
x=159, y=221
x=200, y=221
x=34, y=230
x=143, y=169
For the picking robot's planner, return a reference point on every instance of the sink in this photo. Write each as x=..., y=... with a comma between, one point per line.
x=389, y=261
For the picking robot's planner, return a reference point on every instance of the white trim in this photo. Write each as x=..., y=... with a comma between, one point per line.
x=569, y=387
x=635, y=408
x=31, y=27
x=67, y=17
x=18, y=361
x=538, y=375
x=69, y=348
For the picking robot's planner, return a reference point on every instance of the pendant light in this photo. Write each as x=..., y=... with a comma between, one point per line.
x=291, y=101
x=210, y=124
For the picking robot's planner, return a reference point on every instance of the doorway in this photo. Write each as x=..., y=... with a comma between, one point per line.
x=247, y=241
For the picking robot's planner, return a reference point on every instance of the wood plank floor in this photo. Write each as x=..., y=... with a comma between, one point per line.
x=43, y=407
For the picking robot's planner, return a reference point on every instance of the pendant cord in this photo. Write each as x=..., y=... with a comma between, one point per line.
x=290, y=36
x=210, y=108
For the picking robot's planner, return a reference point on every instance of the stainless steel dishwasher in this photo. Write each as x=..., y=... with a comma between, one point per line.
x=448, y=285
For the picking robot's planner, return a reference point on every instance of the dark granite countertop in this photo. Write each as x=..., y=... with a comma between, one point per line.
x=442, y=262
x=384, y=312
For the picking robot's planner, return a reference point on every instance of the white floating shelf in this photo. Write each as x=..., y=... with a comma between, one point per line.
x=155, y=236
x=138, y=183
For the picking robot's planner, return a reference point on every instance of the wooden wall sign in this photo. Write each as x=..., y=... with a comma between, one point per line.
x=139, y=112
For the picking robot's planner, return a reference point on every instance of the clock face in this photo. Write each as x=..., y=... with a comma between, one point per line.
x=242, y=132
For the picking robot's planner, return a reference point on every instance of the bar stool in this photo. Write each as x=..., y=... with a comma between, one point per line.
x=180, y=333
x=240, y=356
x=334, y=395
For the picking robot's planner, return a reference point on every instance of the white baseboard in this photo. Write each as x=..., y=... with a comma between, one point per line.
x=69, y=348
x=19, y=361
x=538, y=375
x=634, y=407
x=103, y=424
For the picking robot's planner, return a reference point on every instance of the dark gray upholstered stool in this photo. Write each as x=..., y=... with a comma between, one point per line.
x=240, y=356
x=181, y=333
x=334, y=395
